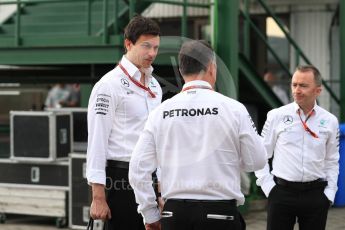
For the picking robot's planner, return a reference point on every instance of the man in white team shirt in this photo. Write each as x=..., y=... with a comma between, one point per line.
x=200, y=140
x=303, y=140
x=118, y=108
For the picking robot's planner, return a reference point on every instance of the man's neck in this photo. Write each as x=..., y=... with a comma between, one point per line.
x=142, y=78
x=306, y=109
x=195, y=77
x=141, y=70
x=129, y=58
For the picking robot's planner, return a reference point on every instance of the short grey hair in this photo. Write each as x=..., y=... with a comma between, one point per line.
x=194, y=57
x=316, y=72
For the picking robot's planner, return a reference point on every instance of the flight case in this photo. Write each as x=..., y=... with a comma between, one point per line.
x=80, y=192
x=39, y=189
x=40, y=135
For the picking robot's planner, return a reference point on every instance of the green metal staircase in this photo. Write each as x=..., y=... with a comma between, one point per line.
x=65, y=32
x=249, y=71
x=71, y=32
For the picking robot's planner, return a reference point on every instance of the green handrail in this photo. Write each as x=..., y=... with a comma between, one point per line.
x=105, y=20
x=116, y=24
x=263, y=38
x=20, y=4
x=7, y=2
x=88, y=17
x=17, y=29
x=246, y=31
x=191, y=4
x=297, y=48
x=131, y=8
x=184, y=29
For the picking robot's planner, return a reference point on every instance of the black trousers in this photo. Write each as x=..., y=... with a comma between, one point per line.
x=286, y=206
x=185, y=215
x=121, y=201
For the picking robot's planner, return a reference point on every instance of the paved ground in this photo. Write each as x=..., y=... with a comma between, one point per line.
x=256, y=220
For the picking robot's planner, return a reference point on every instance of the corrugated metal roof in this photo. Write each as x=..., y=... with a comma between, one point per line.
x=6, y=11
x=160, y=10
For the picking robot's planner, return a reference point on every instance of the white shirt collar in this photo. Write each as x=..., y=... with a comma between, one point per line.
x=197, y=82
x=296, y=107
x=134, y=71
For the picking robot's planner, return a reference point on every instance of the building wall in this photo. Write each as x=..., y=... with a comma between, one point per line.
x=310, y=29
x=160, y=10
x=6, y=11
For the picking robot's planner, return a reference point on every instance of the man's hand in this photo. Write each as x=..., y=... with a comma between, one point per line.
x=154, y=226
x=99, y=208
x=160, y=203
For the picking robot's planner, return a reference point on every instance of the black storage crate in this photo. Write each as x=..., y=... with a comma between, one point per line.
x=80, y=192
x=28, y=173
x=40, y=189
x=40, y=136
x=79, y=127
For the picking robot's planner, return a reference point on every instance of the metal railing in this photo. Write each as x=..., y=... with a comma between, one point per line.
x=88, y=16
x=292, y=42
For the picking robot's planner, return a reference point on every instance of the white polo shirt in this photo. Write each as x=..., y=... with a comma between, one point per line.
x=297, y=155
x=201, y=140
x=117, y=112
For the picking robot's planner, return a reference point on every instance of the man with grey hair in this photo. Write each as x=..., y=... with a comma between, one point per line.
x=304, y=140
x=200, y=140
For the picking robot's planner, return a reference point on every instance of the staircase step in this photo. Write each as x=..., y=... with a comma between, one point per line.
x=67, y=27
x=61, y=19
x=70, y=7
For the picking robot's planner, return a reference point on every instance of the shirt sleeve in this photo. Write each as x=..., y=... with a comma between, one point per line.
x=265, y=178
x=252, y=151
x=331, y=161
x=143, y=163
x=101, y=108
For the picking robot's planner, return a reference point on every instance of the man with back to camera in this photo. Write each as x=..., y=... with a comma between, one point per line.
x=200, y=140
x=303, y=140
x=118, y=108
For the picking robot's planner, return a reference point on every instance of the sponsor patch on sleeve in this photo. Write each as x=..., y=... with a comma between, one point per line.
x=102, y=104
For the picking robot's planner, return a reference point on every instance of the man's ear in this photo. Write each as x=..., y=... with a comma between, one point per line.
x=128, y=44
x=212, y=67
x=318, y=90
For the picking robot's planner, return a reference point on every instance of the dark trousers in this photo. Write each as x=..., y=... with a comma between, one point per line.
x=121, y=201
x=286, y=206
x=185, y=215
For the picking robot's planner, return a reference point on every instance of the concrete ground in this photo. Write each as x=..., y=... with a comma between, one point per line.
x=256, y=220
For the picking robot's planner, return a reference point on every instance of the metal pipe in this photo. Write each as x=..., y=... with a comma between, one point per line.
x=180, y=3
x=116, y=15
x=184, y=20
x=215, y=25
x=7, y=2
x=342, y=60
x=296, y=58
x=294, y=44
x=227, y=47
x=246, y=31
x=105, y=21
x=88, y=17
x=263, y=38
x=17, y=29
x=131, y=9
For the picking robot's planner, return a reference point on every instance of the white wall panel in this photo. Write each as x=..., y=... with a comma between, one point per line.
x=160, y=10
x=311, y=32
x=6, y=11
